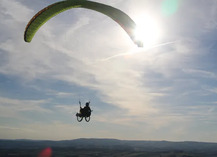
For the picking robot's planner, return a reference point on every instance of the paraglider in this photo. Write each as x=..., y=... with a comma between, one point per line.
x=52, y=10
x=84, y=112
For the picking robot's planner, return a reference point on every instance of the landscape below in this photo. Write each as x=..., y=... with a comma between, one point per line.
x=106, y=147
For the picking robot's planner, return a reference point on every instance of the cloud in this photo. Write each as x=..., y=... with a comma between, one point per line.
x=15, y=107
x=67, y=108
x=41, y=131
x=14, y=11
x=201, y=73
x=155, y=91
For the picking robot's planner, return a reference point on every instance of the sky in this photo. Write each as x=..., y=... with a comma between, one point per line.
x=166, y=90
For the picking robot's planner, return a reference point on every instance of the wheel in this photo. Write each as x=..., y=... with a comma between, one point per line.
x=79, y=118
x=87, y=119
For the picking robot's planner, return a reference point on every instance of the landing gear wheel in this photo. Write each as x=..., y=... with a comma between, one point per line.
x=87, y=119
x=79, y=118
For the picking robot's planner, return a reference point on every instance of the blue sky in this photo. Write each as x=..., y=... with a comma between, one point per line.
x=165, y=91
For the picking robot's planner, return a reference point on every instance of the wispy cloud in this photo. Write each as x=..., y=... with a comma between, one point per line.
x=41, y=131
x=12, y=11
x=15, y=107
x=151, y=91
x=201, y=73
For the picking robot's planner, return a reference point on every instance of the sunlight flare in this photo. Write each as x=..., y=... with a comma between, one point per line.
x=148, y=30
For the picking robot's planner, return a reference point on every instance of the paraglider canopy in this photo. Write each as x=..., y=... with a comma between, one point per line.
x=52, y=10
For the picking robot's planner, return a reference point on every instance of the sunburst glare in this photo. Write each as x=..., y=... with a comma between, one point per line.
x=148, y=30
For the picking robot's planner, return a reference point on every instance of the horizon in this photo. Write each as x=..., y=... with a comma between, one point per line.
x=109, y=139
x=166, y=90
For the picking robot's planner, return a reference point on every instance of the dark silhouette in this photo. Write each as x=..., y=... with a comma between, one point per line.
x=84, y=112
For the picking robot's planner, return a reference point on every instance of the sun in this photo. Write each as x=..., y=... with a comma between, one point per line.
x=148, y=30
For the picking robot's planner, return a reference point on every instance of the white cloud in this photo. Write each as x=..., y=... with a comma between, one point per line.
x=213, y=90
x=201, y=73
x=15, y=107
x=67, y=108
x=50, y=131
x=145, y=88
x=15, y=10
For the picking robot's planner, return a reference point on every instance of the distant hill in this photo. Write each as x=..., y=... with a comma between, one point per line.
x=113, y=145
x=110, y=143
